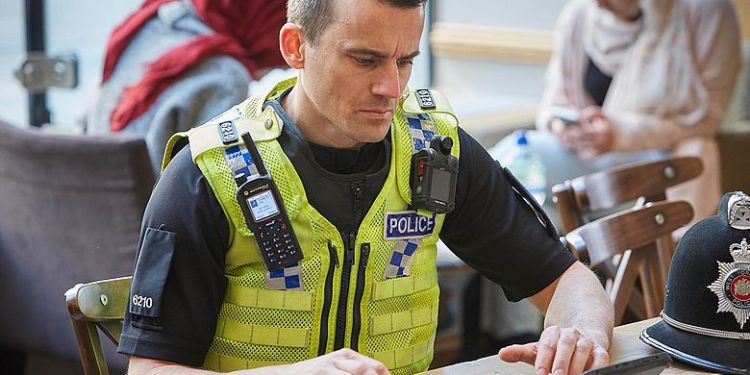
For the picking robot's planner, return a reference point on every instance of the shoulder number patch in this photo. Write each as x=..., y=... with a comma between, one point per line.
x=228, y=132
x=425, y=99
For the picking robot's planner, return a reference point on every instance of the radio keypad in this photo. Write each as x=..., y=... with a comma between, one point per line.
x=277, y=244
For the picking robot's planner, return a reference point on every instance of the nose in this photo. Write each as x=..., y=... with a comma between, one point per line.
x=388, y=84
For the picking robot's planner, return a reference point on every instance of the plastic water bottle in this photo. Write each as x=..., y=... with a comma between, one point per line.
x=526, y=166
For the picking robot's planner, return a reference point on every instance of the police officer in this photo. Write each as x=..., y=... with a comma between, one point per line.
x=309, y=246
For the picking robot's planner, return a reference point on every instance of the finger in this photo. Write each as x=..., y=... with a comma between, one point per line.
x=565, y=348
x=600, y=357
x=376, y=366
x=570, y=138
x=546, y=349
x=519, y=353
x=583, y=352
x=591, y=113
x=556, y=125
x=351, y=366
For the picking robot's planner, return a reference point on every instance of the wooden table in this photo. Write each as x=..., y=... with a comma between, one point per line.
x=625, y=346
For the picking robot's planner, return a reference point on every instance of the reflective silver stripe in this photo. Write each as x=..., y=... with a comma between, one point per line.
x=705, y=331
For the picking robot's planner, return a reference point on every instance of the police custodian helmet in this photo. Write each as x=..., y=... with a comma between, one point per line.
x=706, y=317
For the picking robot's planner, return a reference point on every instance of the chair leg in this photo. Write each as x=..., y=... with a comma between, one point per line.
x=92, y=355
x=651, y=280
x=666, y=251
x=624, y=282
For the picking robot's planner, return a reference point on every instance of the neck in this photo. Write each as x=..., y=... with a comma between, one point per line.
x=629, y=14
x=315, y=127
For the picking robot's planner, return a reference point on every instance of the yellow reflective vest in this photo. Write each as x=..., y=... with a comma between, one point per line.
x=345, y=291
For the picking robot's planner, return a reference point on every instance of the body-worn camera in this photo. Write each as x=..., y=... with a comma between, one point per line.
x=434, y=172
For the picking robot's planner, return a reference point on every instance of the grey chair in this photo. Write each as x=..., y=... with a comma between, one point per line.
x=70, y=212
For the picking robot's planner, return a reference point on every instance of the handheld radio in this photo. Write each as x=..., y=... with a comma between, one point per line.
x=266, y=216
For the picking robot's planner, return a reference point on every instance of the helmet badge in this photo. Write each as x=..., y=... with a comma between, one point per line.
x=733, y=285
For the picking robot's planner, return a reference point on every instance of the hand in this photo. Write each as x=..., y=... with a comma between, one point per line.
x=597, y=133
x=561, y=351
x=343, y=361
x=594, y=136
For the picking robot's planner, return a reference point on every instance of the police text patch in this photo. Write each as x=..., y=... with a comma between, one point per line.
x=408, y=224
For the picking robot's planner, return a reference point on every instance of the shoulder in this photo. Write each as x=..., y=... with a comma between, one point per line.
x=705, y=12
x=181, y=169
x=706, y=7
x=208, y=89
x=573, y=13
x=569, y=28
x=219, y=74
x=226, y=67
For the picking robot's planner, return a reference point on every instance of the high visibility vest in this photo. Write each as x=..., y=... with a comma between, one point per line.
x=375, y=295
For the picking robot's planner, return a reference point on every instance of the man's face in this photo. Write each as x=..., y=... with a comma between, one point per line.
x=358, y=67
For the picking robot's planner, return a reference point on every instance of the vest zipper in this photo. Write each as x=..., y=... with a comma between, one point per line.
x=327, y=297
x=357, y=314
x=351, y=239
x=357, y=191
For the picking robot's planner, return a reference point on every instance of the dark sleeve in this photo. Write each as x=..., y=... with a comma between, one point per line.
x=179, y=282
x=496, y=232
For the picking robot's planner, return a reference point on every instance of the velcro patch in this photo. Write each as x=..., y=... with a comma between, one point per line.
x=151, y=272
x=408, y=224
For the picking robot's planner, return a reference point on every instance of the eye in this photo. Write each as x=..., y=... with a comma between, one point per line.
x=364, y=61
x=404, y=63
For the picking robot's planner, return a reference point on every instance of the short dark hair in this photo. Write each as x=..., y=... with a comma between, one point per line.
x=313, y=16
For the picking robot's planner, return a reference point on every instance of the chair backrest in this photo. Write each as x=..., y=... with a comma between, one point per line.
x=97, y=305
x=70, y=211
x=633, y=235
x=581, y=198
x=588, y=197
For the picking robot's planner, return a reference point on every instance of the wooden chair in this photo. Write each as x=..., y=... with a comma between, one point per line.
x=581, y=198
x=633, y=235
x=584, y=198
x=97, y=306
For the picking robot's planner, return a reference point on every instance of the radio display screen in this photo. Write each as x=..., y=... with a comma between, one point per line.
x=262, y=205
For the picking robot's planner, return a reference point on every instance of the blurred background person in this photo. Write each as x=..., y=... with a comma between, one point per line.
x=175, y=64
x=628, y=81
x=629, y=76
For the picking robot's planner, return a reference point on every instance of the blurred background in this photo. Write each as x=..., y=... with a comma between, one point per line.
x=510, y=42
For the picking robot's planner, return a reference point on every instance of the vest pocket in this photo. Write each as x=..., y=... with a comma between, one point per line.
x=259, y=326
x=394, y=359
x=402, y=324
x=403, y=320
x=402, y=286
x=294, y=300
x=262, y=335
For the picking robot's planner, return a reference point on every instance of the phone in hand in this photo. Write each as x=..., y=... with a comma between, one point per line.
x=568, y=116
x=649, y=365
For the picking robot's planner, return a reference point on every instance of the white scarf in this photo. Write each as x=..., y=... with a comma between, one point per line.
x=650, y=61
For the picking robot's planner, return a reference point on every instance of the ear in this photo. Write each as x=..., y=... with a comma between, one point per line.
x=291, y=42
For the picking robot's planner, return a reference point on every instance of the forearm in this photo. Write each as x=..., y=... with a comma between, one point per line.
x=145, y=366
x=580, y=302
